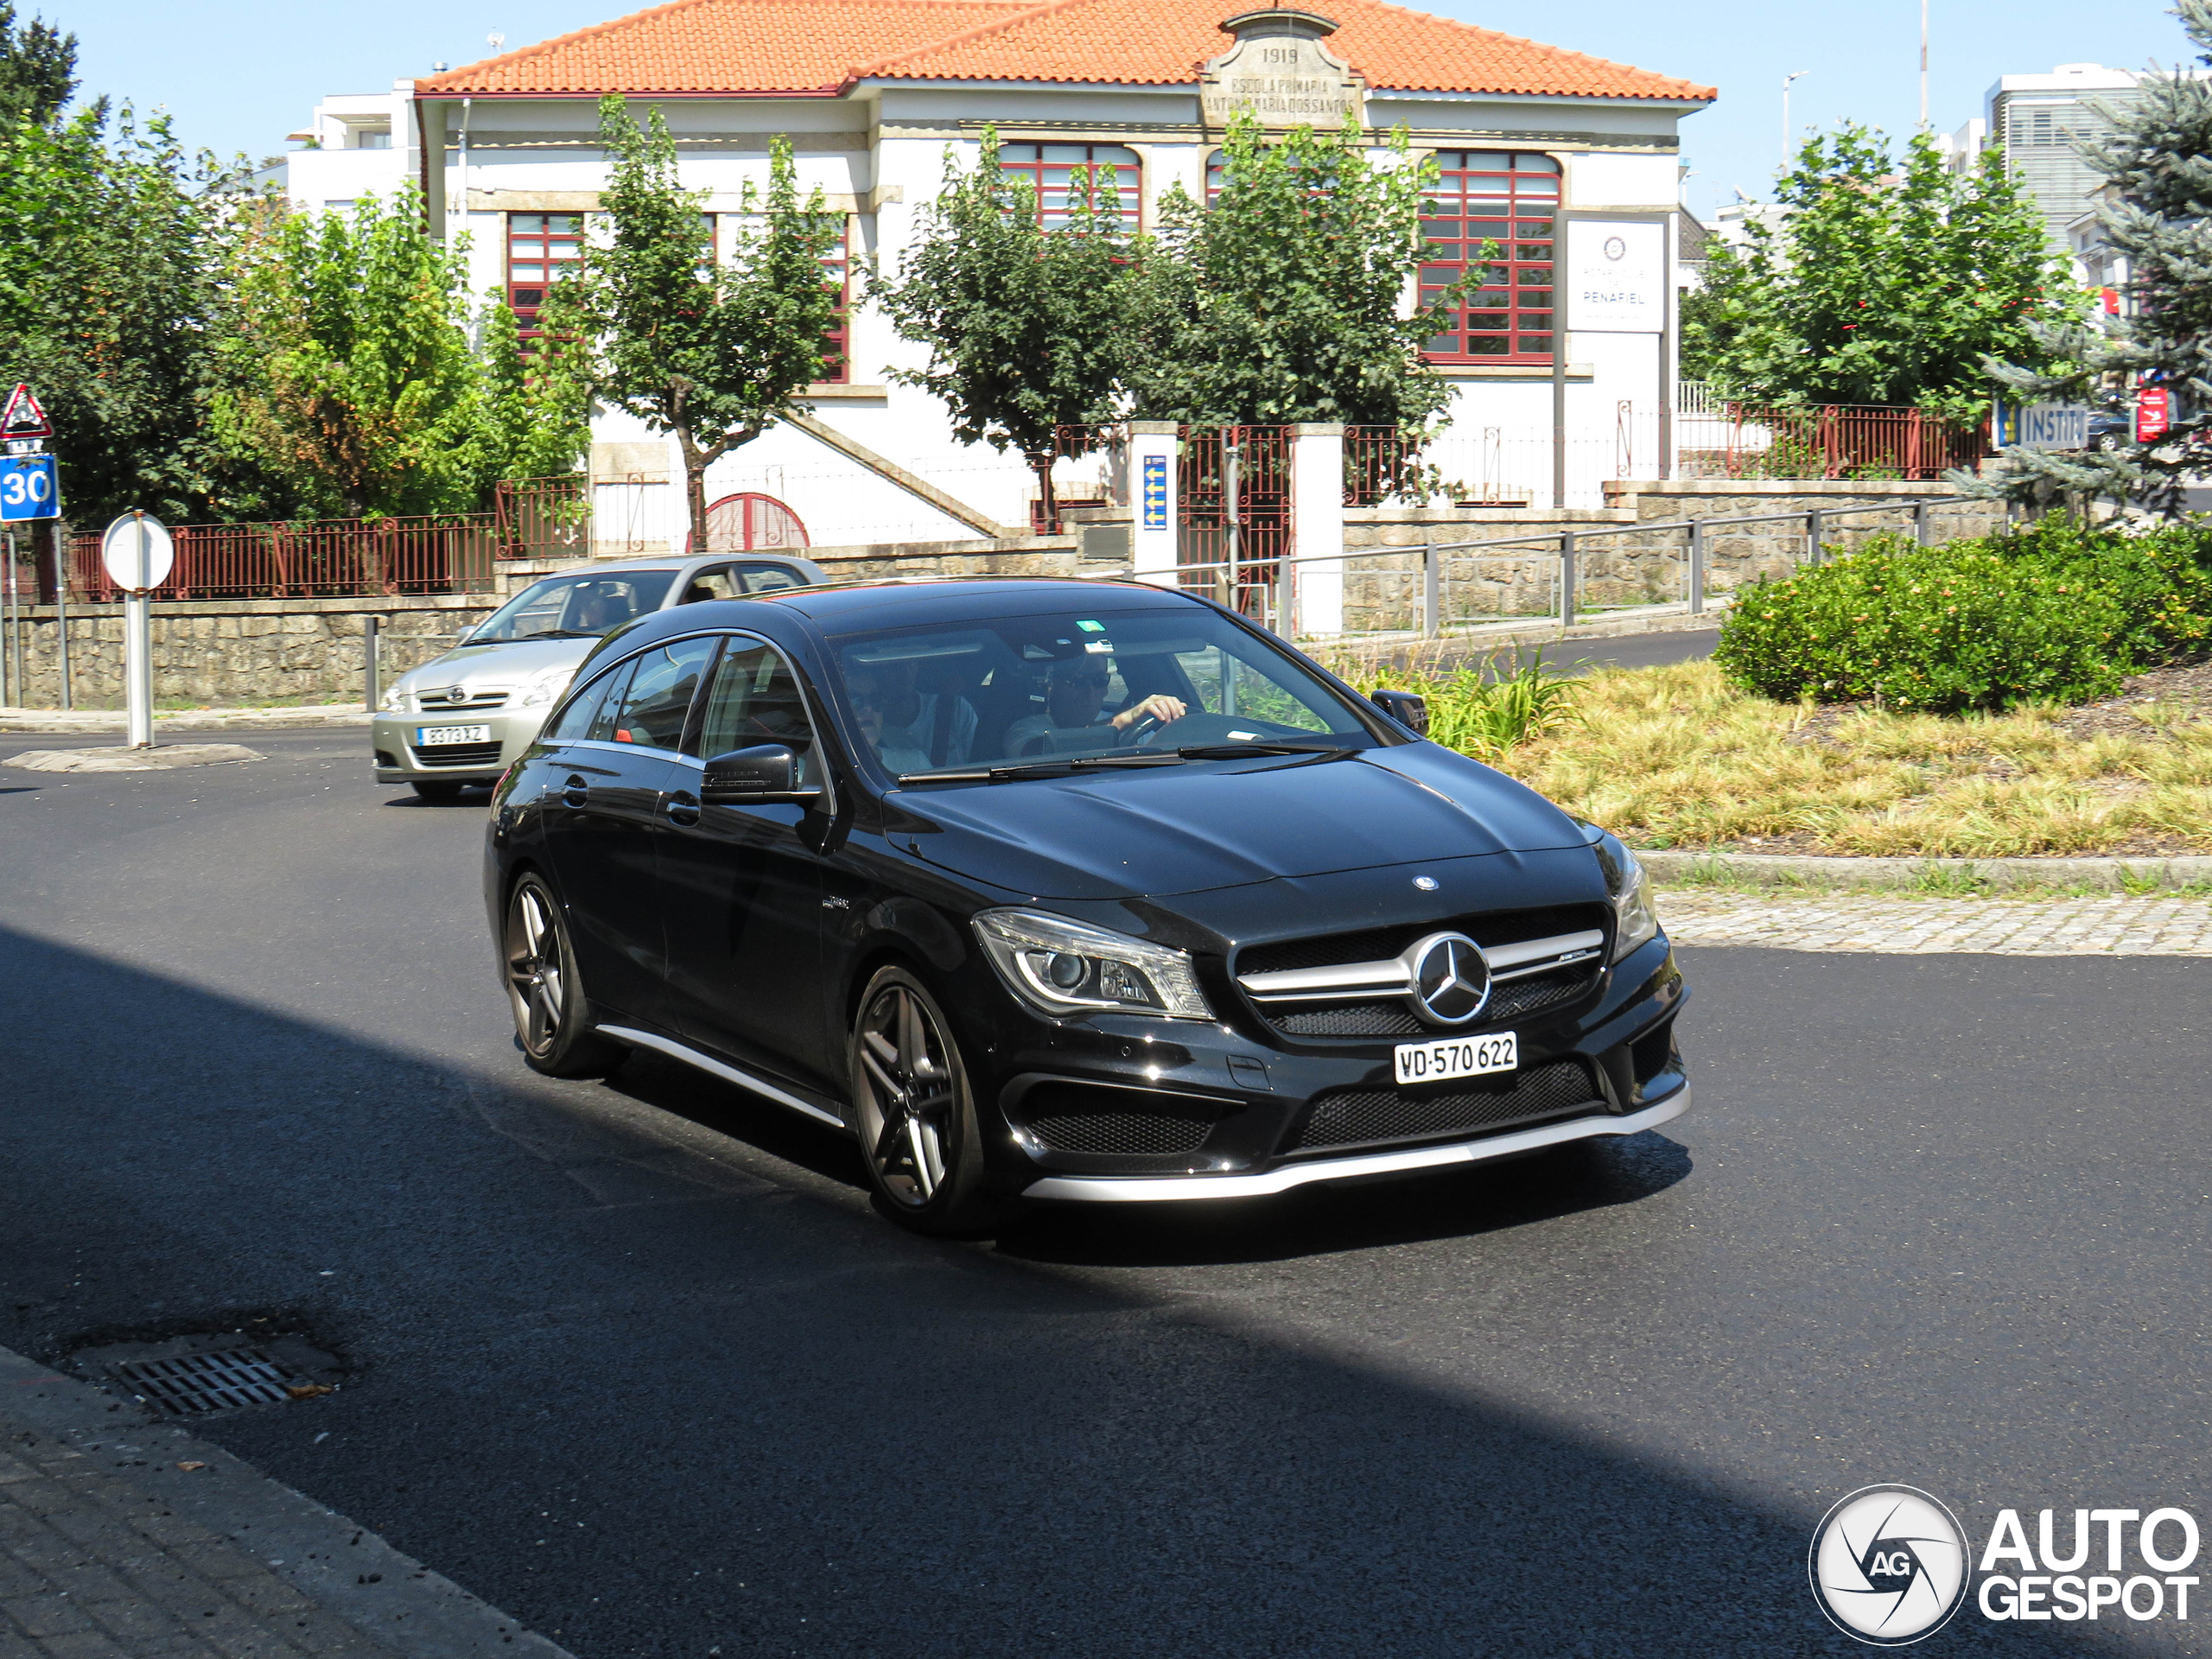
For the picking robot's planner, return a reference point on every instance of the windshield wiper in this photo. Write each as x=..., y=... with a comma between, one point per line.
x=560, y=633
x=1038, y=768
x=1230, y=751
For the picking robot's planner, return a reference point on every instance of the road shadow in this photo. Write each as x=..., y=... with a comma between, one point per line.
x=648, y=1391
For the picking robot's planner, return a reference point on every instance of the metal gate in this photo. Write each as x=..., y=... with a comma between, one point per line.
x=1234, y=499
x=752, y=523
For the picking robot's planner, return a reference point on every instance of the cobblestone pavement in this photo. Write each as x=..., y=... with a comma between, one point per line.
x=93, y=1568
x=2114, y=926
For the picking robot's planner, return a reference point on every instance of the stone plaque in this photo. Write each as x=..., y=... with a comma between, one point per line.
x=1281, y=72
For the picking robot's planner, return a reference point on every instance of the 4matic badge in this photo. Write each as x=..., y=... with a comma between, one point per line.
x=1889, y=1565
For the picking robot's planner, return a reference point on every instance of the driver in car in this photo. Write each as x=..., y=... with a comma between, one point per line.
x=1075, y=696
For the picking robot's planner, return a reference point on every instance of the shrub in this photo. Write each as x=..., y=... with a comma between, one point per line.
x=1939, y=629
x=2158, y=579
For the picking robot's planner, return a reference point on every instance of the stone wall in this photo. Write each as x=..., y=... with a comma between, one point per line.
x=1622, y=567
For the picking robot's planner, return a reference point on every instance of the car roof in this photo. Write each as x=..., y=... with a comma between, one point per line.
x=843, y=606
x=675, y=561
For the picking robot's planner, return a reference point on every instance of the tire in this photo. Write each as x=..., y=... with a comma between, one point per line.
x=914, y=1115
x=437, y=789
x=552, y=1018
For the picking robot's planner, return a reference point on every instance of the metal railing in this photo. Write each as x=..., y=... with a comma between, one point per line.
x=1825, y=441
x=1277, y=601
x=542, y=518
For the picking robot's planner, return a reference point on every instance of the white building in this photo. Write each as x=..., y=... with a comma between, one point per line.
x=873, y=93
x=2042, y=121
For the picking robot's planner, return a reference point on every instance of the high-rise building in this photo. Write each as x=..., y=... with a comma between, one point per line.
x=2041, y=121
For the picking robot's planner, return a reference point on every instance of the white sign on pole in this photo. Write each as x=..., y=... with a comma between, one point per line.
x=139, y=555
x=2043, y=426
x=1616, y=277
x=137, y=552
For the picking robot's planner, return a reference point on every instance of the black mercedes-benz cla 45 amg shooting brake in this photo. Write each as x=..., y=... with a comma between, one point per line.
x=1067, y=890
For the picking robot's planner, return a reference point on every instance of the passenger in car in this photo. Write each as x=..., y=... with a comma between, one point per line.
x=939, y=726
x=1076, y=697
x=874, y=704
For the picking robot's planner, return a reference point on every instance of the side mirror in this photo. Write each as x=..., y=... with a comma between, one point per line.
x=1409, y=709
x=765, y=772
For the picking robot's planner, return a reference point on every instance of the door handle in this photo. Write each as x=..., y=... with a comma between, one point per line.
x=682, y=808
x=576, y=792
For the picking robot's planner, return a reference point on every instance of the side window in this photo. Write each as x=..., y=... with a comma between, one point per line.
x=717, y=582
x=653, y=706
x=576, y=719
x=768, y=578
x=755, y=699
x=605, y=716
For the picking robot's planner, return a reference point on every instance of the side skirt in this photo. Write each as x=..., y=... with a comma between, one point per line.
x=676, y=1051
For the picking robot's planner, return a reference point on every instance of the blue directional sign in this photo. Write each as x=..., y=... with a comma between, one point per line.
x=1155, y=492
x=27, y=488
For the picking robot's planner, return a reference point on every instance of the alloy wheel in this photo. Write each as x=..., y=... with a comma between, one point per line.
x=537, y=974
x=907, y=1072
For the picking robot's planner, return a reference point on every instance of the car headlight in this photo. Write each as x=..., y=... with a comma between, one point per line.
x=393, y=700
x=545, y=688
x=1060, y=967
x=1638, y=917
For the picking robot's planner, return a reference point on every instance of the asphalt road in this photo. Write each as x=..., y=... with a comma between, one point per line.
x=639, y=1363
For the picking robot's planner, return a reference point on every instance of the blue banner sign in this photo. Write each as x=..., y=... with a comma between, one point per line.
x=27, y=489
x=1155, y=493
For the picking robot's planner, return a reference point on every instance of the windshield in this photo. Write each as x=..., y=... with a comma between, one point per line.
x=1049, y=692
x=574, y=607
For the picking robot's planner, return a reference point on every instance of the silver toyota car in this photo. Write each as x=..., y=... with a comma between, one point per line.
x=460, y=719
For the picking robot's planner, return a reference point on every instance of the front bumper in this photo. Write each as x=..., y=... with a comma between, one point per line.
x=1152, y=1189
x=401, y=759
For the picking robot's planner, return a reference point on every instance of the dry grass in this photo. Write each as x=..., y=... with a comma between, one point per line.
x=1675, y=757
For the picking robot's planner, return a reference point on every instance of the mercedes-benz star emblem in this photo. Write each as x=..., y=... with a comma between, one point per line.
x=1426, y=883
x=1449, y=978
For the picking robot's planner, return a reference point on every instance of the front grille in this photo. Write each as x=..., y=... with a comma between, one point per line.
x=438, y=705
x=1374, y=943
x=1515, y=999
x=1355, y=1117
x=458, y=754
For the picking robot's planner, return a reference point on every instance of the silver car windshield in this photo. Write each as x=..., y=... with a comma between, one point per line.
x=1134, y=687
x=574, y=607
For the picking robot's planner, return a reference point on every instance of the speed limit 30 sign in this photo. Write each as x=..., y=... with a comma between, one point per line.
x=27, y=488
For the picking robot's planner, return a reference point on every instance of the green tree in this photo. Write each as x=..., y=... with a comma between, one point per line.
x=1285, y=300
x=713, y=354
x=2156, y=163
x=38, y=70
x=110, y=294
x=348, y=386
x=1028, y=326
x=1876, y=284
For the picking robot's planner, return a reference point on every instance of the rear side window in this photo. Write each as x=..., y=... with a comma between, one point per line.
x=716, y=583
x=576, y=719
x=607, y=707
x=651, y=709
x=755, y=699
x=767, y=578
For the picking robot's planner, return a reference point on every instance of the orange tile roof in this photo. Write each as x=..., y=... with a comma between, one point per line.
x=758, y=47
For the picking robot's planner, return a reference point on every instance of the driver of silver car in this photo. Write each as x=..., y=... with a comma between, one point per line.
x=1075, y=696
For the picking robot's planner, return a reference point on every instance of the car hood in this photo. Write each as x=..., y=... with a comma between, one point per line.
x=496, y=665
x=1189, y=829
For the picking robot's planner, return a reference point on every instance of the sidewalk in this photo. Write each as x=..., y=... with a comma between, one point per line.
x=122, y=1538
x=184, y=719
x=2153, y=925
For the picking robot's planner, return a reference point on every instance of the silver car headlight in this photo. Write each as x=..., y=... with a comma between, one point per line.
x=545, y=688
x=1636, y=917
x=1060, y=967
x=393, y=700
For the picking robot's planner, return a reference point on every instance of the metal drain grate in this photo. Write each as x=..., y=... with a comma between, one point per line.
x=191, y=1383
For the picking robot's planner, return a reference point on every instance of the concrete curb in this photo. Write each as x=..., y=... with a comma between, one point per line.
x=1783, y=870
x=409, y=1610
x=189, y=720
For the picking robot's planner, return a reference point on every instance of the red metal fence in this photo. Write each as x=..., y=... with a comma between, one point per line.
x=1825, y=441
x=340, y=558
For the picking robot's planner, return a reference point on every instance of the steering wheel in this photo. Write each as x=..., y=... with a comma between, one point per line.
x=1140, y=732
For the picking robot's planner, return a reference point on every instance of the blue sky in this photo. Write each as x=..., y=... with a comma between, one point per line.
x=239, y=74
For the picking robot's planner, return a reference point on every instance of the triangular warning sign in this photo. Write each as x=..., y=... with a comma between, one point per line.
x=24, y=419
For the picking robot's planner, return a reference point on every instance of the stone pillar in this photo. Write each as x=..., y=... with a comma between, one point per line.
x=1317, y=518
x=1154, y=510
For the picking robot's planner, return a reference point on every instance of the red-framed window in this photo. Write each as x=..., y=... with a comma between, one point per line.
x=837, y=344
x=539, y=247
x=1065, y=177
x=1508, y=197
